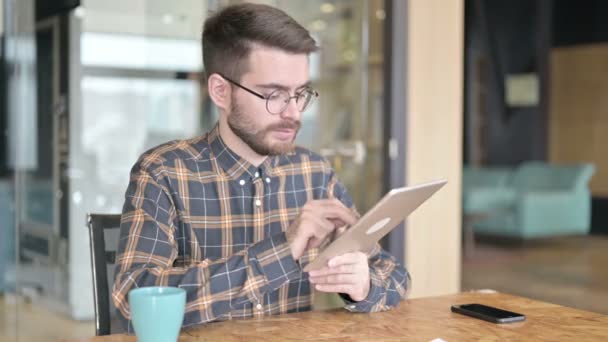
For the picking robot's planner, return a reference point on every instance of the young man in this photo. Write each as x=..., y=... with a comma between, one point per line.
x=233, y=216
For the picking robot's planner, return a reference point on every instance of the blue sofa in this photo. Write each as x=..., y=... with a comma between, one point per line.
x=533, y=200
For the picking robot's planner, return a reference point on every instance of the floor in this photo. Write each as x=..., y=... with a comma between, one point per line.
x=36, y=323
x=570, y=271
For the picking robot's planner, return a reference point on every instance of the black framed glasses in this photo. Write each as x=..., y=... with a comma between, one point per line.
x=278, y=100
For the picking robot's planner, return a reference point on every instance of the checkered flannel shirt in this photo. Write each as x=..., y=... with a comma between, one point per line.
x=199, y=217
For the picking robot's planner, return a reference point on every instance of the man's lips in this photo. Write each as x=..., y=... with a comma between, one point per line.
x=284, y=133
x=285, y=130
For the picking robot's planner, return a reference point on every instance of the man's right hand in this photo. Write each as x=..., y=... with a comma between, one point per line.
x=317, y=219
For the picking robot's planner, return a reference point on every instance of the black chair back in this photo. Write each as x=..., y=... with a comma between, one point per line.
x=104, y=231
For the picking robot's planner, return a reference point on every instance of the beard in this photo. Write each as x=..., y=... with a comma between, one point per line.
x=244, y=128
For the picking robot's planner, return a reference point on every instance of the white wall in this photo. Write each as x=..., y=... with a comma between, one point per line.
x=434, y=142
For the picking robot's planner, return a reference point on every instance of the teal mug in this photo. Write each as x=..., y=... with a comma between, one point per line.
x=157, y=313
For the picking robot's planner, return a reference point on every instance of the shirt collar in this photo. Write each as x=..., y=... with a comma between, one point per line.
x=233, y=165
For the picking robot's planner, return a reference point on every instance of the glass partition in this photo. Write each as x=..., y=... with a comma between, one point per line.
x=90, y=88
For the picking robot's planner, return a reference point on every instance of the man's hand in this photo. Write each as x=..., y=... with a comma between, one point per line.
x=347, y=273
x=317, y=219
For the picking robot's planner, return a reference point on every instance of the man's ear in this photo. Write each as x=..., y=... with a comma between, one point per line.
x=219, y=91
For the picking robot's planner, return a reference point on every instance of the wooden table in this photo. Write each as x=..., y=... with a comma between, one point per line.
x=421, y=319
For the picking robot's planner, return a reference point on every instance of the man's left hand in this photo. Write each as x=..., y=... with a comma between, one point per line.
x=347, y=273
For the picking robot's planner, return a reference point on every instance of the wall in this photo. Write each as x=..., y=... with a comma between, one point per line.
x=506, y=37
x=577, y=22
x=503, y=38
x=578, y=119
x=434, y=142
x=516, y=37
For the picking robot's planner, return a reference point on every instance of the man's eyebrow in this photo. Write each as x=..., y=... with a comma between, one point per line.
x=281, y=86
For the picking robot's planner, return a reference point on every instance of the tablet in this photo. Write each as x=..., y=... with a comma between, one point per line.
x=392, y=209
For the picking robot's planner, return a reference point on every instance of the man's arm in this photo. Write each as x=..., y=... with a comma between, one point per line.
x=148, y=249
x=388, y=280
x=389, y=284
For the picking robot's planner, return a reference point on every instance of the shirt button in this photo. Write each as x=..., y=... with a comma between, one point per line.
x=242, y=182
x=258, y=203
x=267, y=180
x=256, y=175
x=259, y=307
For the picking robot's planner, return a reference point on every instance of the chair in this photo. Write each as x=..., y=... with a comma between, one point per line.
x=104, y=233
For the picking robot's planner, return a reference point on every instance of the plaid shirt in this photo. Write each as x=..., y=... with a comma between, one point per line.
x=199, y=217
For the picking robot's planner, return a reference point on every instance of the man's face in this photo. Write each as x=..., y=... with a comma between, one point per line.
x=269, y=69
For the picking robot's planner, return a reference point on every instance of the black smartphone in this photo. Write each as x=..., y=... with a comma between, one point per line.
x=488, y=313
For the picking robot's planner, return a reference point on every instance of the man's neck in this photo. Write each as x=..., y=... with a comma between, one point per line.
x=238, y=146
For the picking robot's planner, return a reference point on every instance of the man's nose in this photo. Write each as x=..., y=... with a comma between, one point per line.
x=291, y=111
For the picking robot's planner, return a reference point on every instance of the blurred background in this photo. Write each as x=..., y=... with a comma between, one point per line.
x=506, y=99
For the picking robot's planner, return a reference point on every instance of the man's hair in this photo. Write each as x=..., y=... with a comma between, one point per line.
x=229, y=34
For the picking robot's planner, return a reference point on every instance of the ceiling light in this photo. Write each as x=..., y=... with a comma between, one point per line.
x=79, y=12
x=168, y=19
x=349, y=55
x=318, y=25
x=326, y=7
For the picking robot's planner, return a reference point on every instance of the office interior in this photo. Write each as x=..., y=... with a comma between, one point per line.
x=505, y=100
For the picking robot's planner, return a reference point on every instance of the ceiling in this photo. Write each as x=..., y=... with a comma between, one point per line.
x=180, y=19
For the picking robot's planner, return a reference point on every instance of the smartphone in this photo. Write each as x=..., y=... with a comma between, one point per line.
x=488, y=313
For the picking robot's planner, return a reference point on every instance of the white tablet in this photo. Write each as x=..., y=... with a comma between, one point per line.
x=391, y=210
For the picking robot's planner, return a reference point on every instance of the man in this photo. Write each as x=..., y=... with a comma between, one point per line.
x=233, y=216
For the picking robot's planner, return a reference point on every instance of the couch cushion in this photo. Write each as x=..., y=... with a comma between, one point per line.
x=484, y=177
x=542, y=176
x=487, y=199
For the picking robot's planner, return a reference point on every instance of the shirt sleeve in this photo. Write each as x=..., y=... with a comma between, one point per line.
x=389, y=279
x=147, y=254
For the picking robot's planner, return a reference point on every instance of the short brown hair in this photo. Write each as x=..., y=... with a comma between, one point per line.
x=229, y=34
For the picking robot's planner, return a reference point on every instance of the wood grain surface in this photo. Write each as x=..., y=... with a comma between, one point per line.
x=422, y=319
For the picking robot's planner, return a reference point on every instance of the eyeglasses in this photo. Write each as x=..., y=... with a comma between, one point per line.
x=278, y=100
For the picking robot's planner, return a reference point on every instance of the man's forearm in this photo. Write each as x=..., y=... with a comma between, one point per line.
x=388, y=286
x=213, y=288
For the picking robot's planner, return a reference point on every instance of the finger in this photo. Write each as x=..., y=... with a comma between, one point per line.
x=314, y=227
x=324, y=202
x=313, y=243
x=342, y=213
x=315, y=231
x=334, y=209
x=321, y=204
x=348, y=269
x=318, y=233
x=341, y=229
x=353, y=258
x=325, y=226
x=337, y=222
x=335, y=279
x=335, y=288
